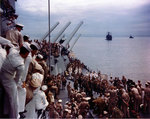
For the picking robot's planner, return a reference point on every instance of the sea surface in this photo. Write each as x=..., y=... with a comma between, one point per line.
x=121, y=56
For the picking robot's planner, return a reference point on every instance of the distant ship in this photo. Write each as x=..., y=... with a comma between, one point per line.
x=108, y=36
x=131, y=36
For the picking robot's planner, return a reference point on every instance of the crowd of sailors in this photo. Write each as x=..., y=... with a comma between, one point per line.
x=28, y=89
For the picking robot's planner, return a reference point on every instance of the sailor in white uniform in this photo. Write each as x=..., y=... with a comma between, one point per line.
x=11, y=73
x=21, y=87
x=39, y=101
x=3, y=53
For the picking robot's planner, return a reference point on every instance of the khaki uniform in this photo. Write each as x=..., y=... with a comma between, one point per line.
x=147, y=99
x=33, y=68
x=83, y=108
x=137, y=98
x=125, y=104
x=15, y=37
x=59, y=108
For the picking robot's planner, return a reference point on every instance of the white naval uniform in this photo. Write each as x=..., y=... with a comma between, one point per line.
x=22, y=91
x=2, y=56
x=38, y=101
x=10, y=74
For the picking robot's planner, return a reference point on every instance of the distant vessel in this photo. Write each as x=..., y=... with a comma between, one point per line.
x=108, y=36
x=131, y=36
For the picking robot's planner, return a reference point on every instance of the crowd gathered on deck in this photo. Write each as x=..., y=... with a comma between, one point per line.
x=30, y=90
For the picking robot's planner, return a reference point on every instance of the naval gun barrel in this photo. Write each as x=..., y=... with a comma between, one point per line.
x=60, y=32
x=51, y=29
x=72, y=34
x=74, y=42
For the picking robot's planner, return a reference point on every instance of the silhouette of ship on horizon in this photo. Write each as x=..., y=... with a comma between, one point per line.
x=108, y=36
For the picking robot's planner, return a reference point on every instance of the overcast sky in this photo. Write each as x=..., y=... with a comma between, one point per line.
x=120, y=17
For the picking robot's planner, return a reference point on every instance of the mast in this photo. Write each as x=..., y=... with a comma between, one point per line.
x=72, y=34
x=74, y=42
x=49, y=36
x=60, y=32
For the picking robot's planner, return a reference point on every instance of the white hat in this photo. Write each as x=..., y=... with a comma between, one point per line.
x=44, y=87
x=105, y=112
x=59, y=100
x=80, y=117
x=27, y=46
x=67, y=110
x=36, y=45
x=86, y=98
x=37, y=76
x=40, y=56
x=20, y=25
x=35, y=83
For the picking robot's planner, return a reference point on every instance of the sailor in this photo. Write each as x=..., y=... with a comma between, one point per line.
x=125, y=103
x=84, y=107
x=26, y=38
x=22, y=84
x=11, y=72
x=136, y=97
x=34, y=67
x=15, y=36
x=4, y=51
x=21, y=87
x=52, y=111
x=69, y=89
x=59, y=107
x=146, y=98
x=44, y=65
x=41, y=101
x=38, y=101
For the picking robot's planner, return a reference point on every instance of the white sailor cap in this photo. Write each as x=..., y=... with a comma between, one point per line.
x=36, y=45
x=67, y=110
x=59, y=100
x=27, y=46
x=86, y=98
x=19, y=25
x=37, y=76
x=40, y=56
x=105, y=112
x=44, y=87
x=26, y=36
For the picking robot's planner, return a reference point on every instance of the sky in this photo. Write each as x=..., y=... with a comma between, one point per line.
x=120, y=17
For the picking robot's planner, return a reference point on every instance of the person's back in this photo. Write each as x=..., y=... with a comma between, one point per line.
x=11, y=63
x=15, y=36
x=11, y=72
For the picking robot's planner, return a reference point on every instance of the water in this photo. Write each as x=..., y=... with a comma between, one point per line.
x=121, y=56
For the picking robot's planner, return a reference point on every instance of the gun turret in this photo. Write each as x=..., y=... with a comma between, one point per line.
x=60, y=32
x=72, y=34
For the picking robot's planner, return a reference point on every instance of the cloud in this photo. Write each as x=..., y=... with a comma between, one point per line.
x=71, y=6
x=99, y=16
